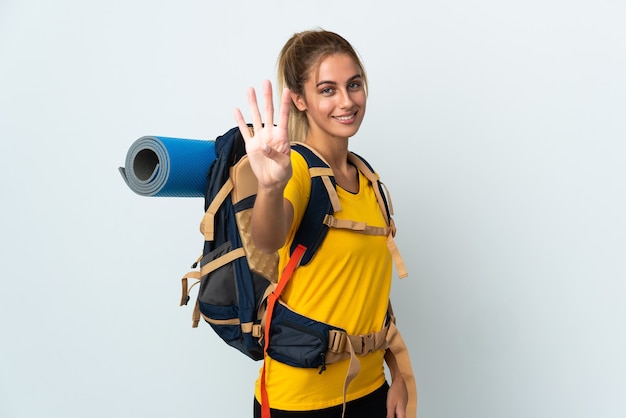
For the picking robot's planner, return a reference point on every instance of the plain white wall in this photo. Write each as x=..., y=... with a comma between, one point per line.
x=498, y=126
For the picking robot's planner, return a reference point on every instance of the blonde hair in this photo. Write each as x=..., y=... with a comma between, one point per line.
x=300, y=55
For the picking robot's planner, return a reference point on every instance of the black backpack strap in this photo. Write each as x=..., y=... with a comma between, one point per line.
x=323, y=202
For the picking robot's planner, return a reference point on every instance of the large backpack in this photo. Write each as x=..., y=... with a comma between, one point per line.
x=239, y=295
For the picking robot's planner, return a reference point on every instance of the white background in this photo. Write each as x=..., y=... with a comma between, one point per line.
x=498, y=126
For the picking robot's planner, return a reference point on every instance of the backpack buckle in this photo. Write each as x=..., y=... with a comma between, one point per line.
x=257, y=331
x=337, y=341
x=368, y=343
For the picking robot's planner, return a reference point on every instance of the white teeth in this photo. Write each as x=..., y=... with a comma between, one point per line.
x=344, y=117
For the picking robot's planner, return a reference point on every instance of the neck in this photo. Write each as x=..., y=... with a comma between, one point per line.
x=333, y=149
x=335, y=152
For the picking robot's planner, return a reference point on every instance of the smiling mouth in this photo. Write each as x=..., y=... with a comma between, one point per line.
x=347, y=118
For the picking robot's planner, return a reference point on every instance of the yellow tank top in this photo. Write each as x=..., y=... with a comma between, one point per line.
x=346, y=284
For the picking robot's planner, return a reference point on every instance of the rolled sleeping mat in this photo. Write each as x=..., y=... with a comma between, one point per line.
x=168, y=167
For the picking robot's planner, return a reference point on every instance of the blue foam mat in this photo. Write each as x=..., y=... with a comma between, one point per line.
x=168, y=167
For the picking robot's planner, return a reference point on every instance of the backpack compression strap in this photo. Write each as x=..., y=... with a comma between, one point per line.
x=208, y=221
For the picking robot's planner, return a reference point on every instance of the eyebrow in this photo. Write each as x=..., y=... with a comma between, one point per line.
x=354, y=77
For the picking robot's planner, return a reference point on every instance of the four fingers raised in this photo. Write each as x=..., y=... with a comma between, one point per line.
x=258, y=122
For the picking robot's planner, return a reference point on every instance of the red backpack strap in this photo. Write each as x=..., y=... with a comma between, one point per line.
x=293, y=263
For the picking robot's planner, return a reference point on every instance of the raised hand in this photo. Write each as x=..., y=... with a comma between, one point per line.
x=268, y=148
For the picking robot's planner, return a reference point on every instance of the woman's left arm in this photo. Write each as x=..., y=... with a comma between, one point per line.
x=398, y=395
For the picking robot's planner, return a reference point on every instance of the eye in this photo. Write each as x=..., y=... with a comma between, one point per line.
x=355, y=85
x=327, y=91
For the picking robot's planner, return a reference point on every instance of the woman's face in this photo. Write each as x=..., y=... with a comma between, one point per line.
x=334, y=98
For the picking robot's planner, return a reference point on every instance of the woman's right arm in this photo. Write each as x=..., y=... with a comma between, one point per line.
x=271, y=219
x=268, y=150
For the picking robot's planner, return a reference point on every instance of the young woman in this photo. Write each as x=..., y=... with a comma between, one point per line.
x=348, y=281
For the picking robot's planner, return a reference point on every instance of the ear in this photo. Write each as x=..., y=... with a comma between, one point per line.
x=298, y=101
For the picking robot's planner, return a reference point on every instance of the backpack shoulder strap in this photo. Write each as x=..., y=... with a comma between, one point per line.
x=382, y=194
x=312, y=232
x=384, y=201
x=319, y=211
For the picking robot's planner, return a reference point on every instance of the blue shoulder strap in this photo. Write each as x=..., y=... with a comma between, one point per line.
x=312, y=229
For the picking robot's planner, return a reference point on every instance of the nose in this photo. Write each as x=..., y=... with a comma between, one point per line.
x=345, y=100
